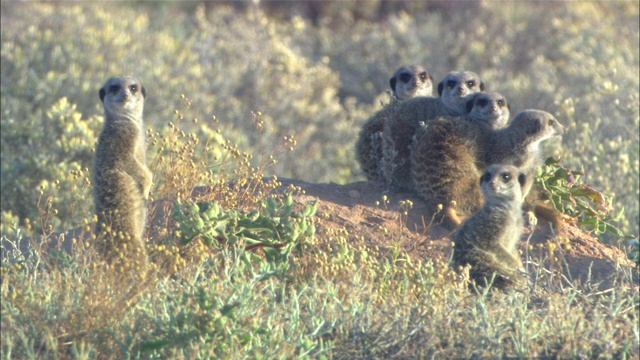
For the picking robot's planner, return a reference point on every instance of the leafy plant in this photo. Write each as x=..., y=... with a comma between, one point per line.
x=570, y=195
x=277, y=229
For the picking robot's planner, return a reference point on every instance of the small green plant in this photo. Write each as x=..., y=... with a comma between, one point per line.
x=277, y=229
x=573, y=197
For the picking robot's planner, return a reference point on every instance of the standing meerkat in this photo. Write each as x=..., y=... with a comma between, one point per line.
x=407, y=82
x=448, y=156
x=487, y=239
x=454, y=91
x=121, y=177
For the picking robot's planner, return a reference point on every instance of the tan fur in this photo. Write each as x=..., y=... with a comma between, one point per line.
x=487, y=240
x=407, y=82
x=402, y=122
x=122, y=179
x=447, y=159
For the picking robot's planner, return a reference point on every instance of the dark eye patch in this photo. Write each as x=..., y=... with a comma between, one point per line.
x=551, y=122
x=404, y=77
x=452, y=83
x=133, y=88
x=423, y=76
x=505, y=176
x=483, y=102
x=501, y=102
x=114, y=88
x=471, y=83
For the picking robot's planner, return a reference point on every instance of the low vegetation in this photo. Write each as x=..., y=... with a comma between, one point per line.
x=237, y=269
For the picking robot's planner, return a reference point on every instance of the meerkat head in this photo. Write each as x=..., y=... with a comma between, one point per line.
x=411, y=81
x=123, y=96
x=456, y=86
x=537, y=125
x=502, y=182
x=489, y=108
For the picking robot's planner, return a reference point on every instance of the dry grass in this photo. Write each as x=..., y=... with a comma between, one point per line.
x=320, y=297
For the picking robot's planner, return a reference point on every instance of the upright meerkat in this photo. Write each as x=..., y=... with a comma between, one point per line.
x=487, y=239
x=407, y=82
x=454, y=91
x=450, y=155
x=121, y=177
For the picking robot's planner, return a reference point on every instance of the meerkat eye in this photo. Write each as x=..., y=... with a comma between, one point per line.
x=404, y=77
x=471, y=83
x=506, y=177
x=133, y=88
x=501, y=102
x=551, y=122
x=114, y=88
x=483, y=102
x=452, y=83
x=423, y=76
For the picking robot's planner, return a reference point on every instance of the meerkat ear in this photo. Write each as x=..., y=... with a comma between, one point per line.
x=392, y=83
x=481, y=86
x=522, y=179
x=102, y=93
x=440, y=88
x=470, y=104
x=144, y=92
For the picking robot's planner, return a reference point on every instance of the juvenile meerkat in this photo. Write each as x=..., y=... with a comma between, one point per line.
x=448, y=156
x=407, y=82
x=403, y=120
x=121, y=177
x=487, y=239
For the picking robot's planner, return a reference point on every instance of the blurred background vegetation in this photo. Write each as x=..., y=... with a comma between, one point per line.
x=313, y=69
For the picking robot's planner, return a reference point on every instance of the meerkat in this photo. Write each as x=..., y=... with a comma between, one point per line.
x=487, y=239
x=407, y=82
x=122, y=180
x=454, y=92
x=448, y=156
x=519, y=145
x=411, y=81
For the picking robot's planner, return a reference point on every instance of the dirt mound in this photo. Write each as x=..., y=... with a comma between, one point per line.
x=359, y=208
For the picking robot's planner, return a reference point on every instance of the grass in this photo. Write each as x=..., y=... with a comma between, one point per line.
x=239, y=273
x=237, y=270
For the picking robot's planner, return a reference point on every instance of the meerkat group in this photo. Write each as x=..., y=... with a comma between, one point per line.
x=454, y=91
x=121, y=178
x=463, y=154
